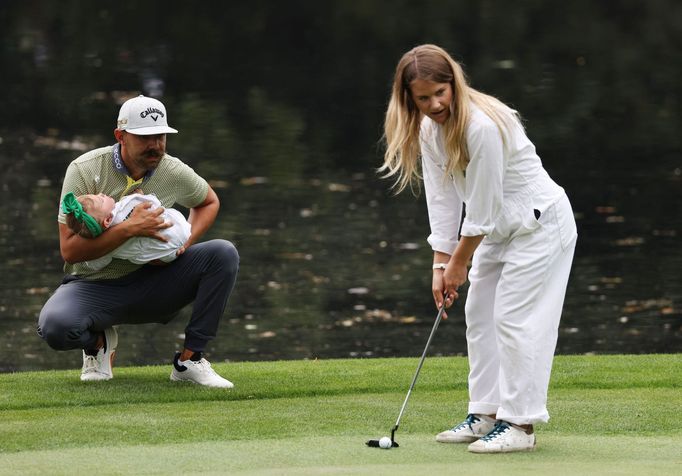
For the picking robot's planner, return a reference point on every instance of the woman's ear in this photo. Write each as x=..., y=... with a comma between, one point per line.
x=107, y=221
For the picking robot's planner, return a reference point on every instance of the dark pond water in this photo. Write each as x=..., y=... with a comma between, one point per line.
x=280, y=106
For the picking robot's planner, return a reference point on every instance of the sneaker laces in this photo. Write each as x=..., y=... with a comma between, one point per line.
x=500, y=428
x=90, y=364
x=470, y=420
x=204, y=366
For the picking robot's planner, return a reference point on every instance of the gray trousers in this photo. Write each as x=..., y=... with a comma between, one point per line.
x=205, y=274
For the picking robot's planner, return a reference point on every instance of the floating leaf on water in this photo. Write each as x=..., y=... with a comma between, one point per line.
x=605, y=209
x=615, y=219
x=358, y=291
x=623, y=319
x=248, y=181
x=380, y=314
x=274, y=285
x=303, y=256
x=219, y=183
x=250, y=327
x=630, y=241
x=407, y=320
x=635, y=305
x=668, y=233
x=267, y=334
x=319, y=279
x=408, y=246
x=667, y=311
x=338, y=187
x=38, y=290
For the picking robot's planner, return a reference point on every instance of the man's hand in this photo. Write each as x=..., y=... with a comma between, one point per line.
x=146, y=222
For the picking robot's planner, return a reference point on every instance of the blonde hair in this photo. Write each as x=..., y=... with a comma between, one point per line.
x=79, y=228
x=403, y=119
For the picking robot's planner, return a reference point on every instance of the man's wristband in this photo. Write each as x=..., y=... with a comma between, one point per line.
x=439, y=265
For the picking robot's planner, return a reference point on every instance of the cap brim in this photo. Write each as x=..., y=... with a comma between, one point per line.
x=149, y=131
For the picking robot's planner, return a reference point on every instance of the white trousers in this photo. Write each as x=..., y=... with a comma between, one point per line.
x=513, y=309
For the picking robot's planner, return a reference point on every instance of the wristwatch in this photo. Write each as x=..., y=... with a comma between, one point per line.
x=439, y=265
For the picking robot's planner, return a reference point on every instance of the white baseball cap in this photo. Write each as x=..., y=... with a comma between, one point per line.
x=144, y=116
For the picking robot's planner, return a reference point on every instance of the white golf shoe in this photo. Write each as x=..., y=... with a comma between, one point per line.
x=199, y=372
x=99, y=367
x=472, y=428
x=504, y=438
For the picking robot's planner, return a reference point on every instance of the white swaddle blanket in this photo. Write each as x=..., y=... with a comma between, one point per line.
x=143, y=249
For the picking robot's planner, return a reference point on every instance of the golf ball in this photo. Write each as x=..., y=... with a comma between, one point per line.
x=385, y=443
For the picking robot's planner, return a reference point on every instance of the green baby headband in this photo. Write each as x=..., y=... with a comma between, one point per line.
x=70, y=204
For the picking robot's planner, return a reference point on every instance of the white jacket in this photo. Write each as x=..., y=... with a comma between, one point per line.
x=502, y=186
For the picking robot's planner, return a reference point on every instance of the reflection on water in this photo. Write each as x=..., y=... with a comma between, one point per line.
x=286, y=131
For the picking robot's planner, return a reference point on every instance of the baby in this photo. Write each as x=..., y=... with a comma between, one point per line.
x=89, y=215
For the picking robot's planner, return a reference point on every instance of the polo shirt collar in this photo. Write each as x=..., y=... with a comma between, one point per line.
x=121, y=167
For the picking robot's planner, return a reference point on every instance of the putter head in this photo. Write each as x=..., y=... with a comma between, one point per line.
x=375, y=444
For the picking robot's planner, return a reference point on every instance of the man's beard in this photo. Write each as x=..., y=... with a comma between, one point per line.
x=150, y=159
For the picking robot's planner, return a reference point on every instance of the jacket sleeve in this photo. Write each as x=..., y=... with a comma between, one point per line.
x=484, y=176
x=443, y=202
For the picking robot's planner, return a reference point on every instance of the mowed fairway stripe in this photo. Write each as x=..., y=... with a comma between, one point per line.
x=419, y=454
x=615, y=415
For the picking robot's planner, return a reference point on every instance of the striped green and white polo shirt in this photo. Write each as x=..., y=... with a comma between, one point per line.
x=102, y=171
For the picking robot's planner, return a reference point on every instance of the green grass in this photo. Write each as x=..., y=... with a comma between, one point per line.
x=615, y=414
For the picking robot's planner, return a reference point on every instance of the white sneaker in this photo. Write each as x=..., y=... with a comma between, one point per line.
x=99, y=367
x=504, y=438
x=472, y=428
x=198, y=371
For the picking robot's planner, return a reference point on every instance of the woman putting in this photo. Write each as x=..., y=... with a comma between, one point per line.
x=518, y=230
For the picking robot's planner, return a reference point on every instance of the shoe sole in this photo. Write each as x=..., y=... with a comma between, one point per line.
x=503, y=450
x=175, y=378
x=459, y=440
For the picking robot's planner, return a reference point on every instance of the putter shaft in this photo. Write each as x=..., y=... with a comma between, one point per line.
x=419, y=367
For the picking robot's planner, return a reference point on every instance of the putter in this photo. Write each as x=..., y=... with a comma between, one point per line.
x=394, y=444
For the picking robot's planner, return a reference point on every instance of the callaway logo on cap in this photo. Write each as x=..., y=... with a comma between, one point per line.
x=144, y=116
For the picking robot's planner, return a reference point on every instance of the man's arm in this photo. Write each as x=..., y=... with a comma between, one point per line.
x=202, y=217
x=142, y=222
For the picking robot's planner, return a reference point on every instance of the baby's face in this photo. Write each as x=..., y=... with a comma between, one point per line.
x=103, y=207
